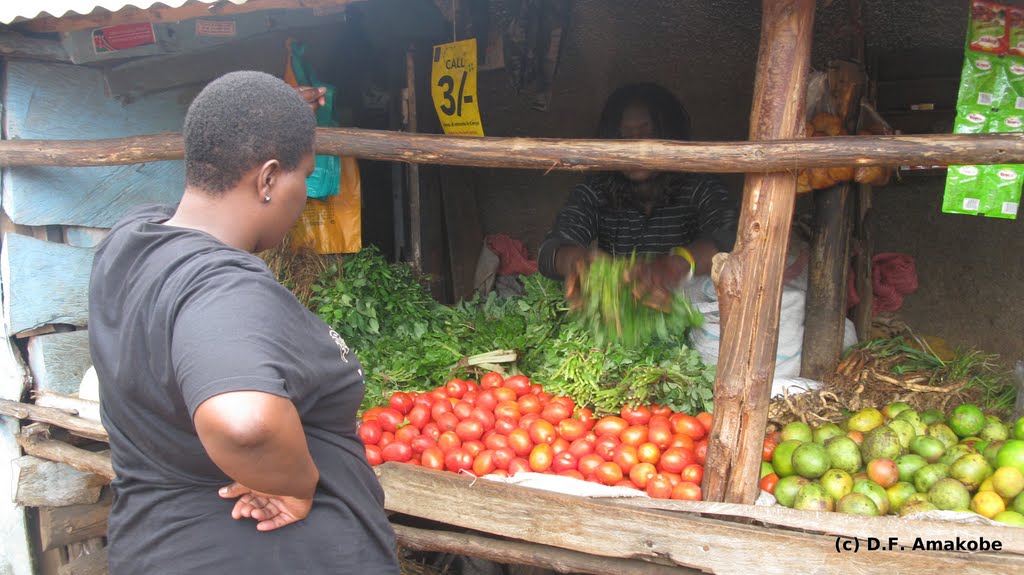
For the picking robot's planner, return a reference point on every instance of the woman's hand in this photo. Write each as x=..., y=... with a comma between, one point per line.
x=313, y=96
x=655, y=281
x=270, y=511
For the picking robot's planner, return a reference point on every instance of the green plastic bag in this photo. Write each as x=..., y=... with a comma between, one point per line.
x=983, y=81
x=326, y=177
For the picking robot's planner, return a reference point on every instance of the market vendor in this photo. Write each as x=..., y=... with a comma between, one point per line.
x=641, y=210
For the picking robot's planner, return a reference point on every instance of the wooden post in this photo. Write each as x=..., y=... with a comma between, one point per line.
x=413, y=170
x=750, y=281
x=829, y=264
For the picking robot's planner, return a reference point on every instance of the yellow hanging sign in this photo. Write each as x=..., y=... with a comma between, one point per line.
x=453, y=88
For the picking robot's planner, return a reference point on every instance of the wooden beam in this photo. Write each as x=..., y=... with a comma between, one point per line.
x=130, y=14
x=606, y=529
x=84, y=408
x=550, y=154
x=533, y=554
x=76, y=425
x=60, y=526
x=94, y=563
x=59, y=360
x=44, y=282
x=40, y=482
x=14, y=45
x=97, y=463
x=750, y=280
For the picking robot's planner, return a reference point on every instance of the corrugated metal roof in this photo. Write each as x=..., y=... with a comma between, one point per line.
x=12, y=10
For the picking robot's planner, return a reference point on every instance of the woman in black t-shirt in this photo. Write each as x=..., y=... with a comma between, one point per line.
x=231, y=408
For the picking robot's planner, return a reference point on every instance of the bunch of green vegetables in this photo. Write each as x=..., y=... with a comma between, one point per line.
x=407, y=341
x=608, y=305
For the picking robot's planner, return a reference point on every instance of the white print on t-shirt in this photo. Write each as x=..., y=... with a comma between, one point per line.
x=341, y=345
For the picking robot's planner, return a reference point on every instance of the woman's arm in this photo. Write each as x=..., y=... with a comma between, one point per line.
x=574, y=230
x=257, y=439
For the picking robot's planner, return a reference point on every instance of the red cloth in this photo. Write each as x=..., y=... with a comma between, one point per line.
x=893, y=275
x=512, y=254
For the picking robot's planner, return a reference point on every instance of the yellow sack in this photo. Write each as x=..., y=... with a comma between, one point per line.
x=333, y=225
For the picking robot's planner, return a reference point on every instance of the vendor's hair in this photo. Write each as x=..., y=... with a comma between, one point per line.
x=240, y=121
x=668, y=115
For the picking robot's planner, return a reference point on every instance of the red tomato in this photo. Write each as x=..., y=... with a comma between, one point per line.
x=673, y=478
x=503, y=456
x=448, y=441
x=447, y=421
x=373, y=455
x=418, y=416
x=675, y=459
x=504, y=394
x=560, y=445
x=543, y=396
x=572, y=473
x=486, y=418
x=554, y=413
x=517, y=383
x=520, y=442
x=701, y=451
x=396, y=451
x=496, y=441
x=458, y=459
x=662, y=410
x=473, y=447
x=660, y=435
x=400, y=402
x=486, y=400
x=431, y=430
x=563, y=462
x=639, y=415
x=500, y=473
x=659, y=420
x=421, y=443
x=535, y=388
x=610, y=425
x=529, y=404
x=505, y=425
x=659, y=487
x=439, y=395
x=385, y=438
x=604, y=446
x=566, y=401
x=542, y=431
x=571, y=429
x=586, y=417
x=634, y=435
x=641, y=473
x=462, y=409
x=648, y=453
x=456, y=388
x=588, y=464
x=527, y=420
x=471, y=387
x=688, y=425
x=407, y=433
x=768, y=483
x=389, y=419
x=686, y=491
x=469, y=430
x=372, y=413
x=440, y=408
x=483, y=464
x=518, y=464
x=470, y=397
x=491, y=380
x=424, y=399
x=609, y=473
x=768, y=450
x=581, y=447
x=507, y=410
x=694, y=473
x=370, y=432
x=680, y=440
x=541, y=457
x=705, y=419
x=775, y=436
x=432, y=458
x=625, y=457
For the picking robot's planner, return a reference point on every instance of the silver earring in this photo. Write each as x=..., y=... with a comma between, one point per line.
x=266, y=199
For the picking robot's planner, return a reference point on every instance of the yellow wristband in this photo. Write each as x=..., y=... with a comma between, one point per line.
x=686, y=255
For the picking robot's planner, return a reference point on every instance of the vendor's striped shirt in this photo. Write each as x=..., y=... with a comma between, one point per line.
x=691, y=207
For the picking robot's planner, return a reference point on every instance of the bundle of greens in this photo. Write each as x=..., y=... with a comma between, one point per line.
x=407, y=341
x=608, y=305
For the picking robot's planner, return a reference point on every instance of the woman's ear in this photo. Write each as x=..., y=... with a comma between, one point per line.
x=267, y=177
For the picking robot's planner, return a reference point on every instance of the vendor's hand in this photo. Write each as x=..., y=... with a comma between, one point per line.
x=580, y=269
x=270, y=511
x=657, y=279
x=315, y=97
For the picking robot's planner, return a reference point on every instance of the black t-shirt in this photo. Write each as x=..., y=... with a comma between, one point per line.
x=176, y=317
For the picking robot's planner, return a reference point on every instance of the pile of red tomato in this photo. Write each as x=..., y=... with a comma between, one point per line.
x=504, y=426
